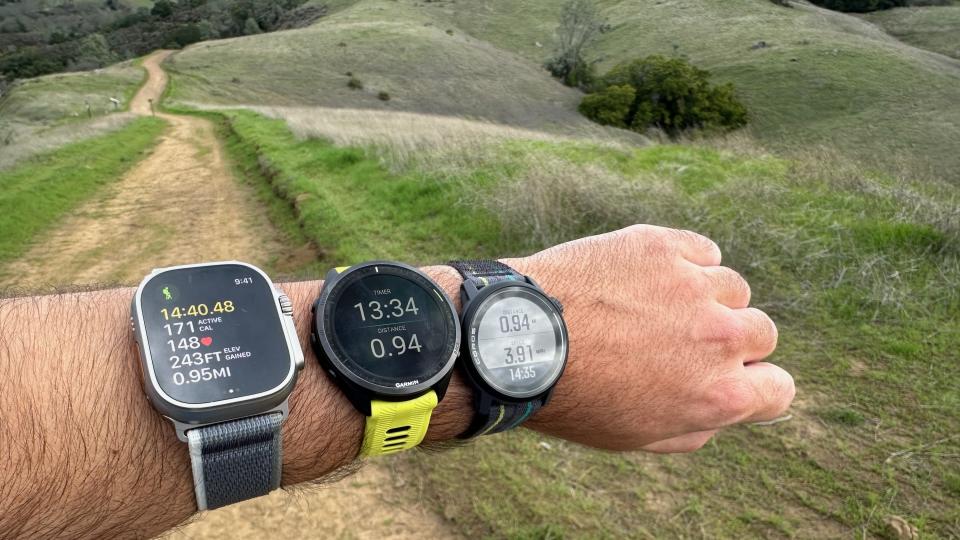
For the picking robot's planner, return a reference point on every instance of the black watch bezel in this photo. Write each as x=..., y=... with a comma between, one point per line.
x=357, y=388
x=473, y=302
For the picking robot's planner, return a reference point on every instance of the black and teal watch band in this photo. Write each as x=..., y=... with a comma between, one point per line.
x=236, y=460
x=493, y=415
x=500, y=417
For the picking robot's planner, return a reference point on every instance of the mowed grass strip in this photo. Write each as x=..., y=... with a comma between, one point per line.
x=41, y=190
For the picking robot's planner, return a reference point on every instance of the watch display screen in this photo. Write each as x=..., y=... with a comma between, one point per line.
x=214, y=333
x=392, y=327
x=517, y=341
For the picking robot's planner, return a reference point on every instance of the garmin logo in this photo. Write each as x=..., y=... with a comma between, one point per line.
x=408, y=383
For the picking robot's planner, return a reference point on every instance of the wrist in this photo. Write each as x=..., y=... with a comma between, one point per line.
x=324, y=431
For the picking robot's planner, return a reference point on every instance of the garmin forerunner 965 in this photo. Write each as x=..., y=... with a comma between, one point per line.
x=389, y=337
x=219, y=356
x=515, y=344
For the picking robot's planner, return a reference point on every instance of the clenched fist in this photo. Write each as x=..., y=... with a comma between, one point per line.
x=664, y=350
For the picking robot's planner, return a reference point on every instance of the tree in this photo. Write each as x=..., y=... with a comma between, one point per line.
x=668, y=93
x=251, y=27
x=579, y=24
x=162, y=9
x=93, y=52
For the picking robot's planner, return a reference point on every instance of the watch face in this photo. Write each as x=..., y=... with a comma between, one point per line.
x=518, y=342
x=391, y=327
x=214, y=333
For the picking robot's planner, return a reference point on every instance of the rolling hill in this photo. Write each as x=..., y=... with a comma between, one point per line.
x=934, y=28
x=44, y=113
x=822, y=78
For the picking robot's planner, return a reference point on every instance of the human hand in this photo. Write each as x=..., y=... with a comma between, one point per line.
x=664, y=350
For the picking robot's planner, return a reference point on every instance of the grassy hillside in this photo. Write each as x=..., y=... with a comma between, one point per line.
x=825, y=78
x=423, y=64
x=861, y=271
x=47, y=112
x=935, y=28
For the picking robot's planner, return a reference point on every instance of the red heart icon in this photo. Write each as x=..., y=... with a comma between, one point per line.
x=206, y=341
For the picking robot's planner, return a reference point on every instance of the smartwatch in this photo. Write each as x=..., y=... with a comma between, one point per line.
x=389, y=337
x=515, y=345
x=219, y=356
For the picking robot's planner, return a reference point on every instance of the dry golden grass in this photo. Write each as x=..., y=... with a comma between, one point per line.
x=26, y=142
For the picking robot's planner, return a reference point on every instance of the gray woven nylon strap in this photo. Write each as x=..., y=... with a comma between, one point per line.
x=235, y=460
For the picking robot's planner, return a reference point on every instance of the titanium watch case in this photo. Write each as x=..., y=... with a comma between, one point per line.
x=472, y=299
x=359, y=391
x=187, y=416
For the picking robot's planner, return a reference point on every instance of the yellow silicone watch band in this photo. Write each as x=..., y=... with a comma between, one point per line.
x=397, y=425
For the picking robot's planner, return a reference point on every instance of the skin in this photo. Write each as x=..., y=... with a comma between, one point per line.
x=663, y=353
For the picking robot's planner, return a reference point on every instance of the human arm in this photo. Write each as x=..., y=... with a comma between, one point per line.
x=658, y=347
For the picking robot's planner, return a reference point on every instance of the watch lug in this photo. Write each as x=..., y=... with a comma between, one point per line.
x=441, y=387
x=331, y=276
x=468, y=290
x=182, y=428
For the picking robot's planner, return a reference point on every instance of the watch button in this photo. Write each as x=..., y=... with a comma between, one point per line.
x=556, y=302
x=285, y=305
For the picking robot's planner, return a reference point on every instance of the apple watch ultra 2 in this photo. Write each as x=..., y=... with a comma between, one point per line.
x=515, y=345
x=219, y=357
x=388, y=336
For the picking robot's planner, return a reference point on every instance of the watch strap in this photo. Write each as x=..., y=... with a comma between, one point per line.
x=500, y=417
x=236, y=460
x=485, y=272
x=394, y=426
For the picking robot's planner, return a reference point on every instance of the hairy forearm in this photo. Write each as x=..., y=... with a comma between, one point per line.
x=86, y=453
x=664, y=351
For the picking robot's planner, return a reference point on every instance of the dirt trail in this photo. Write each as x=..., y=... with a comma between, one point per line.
x=178, y=205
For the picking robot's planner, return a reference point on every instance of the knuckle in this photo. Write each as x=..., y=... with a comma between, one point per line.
x=731, y=400
x=766, y=333
x=738, y=284
x=730, y=332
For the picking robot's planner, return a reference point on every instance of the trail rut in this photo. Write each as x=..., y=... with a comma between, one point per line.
x=178, y=205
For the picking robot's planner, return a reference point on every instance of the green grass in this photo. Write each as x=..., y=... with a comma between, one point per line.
x=353, y=209
x=41, y=190
x=861, y=271
x=935, y=28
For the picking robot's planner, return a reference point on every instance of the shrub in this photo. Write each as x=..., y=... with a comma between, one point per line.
x=610, y=106
x=355, y=83
x=383, y=96
x=185, y=35
x=668, y=93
